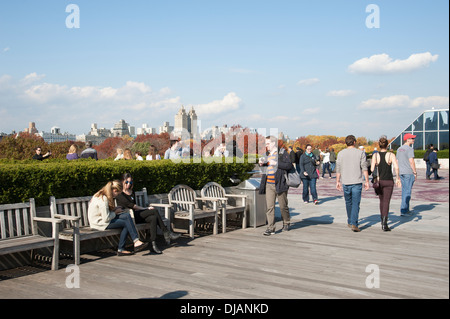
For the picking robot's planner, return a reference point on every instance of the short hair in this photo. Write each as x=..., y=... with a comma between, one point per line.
x=88, y=144
x=272, y=138
x=350, y=140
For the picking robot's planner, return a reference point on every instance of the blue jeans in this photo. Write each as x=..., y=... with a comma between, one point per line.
x=309, y=183
x=326, y=167
x=407, y=184
x=125, y=222
x=352, y=196
x=429, y=169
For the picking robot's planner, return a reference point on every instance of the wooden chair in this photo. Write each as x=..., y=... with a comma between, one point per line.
x=19, y=230
x=184, y=203
x=215, y=190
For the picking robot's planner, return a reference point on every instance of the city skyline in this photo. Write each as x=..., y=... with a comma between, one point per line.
x=305, y=68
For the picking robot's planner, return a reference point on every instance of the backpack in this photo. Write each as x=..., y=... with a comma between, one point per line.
x=332, y=157
x=425, y=157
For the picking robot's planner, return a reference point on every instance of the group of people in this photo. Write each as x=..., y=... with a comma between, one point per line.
x=110, y=208
x=352, y=174
x=126, y=154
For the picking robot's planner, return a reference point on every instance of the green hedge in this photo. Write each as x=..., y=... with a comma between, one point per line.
x=22, y=180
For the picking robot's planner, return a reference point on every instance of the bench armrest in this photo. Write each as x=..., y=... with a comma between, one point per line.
x=236, y=195
x=48, y=220
x=73, y=218
x=160, y=205
x=212, y=199
x=183, y=202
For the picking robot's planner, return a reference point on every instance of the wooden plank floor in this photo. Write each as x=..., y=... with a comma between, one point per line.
x=309, y=261
x=318, y=258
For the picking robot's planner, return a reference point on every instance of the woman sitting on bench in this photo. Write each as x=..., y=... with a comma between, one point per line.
x=103, y=214
x=127, y=199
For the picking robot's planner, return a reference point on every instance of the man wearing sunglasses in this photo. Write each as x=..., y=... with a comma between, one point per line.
x=407, y=171
x=38, y=156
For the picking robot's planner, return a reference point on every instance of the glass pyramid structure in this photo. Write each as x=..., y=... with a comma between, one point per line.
x=430, y=127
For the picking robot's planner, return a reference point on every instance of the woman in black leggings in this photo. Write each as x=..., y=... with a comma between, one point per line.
x=385, y=161
x=127, y=199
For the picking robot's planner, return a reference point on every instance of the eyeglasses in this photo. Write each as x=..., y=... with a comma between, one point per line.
x=127, y=182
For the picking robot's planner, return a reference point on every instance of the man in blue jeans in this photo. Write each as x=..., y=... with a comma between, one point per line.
x=407, y=171
x=351, y=165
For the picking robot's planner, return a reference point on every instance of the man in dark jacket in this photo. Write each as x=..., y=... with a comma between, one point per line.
x=273, y=183
x=427, y=161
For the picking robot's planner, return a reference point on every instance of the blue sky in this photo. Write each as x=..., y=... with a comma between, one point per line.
x=302, y=67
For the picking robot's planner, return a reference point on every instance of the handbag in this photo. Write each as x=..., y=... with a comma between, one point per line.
x=293, y=178
x=376, y=181
x=435, y=165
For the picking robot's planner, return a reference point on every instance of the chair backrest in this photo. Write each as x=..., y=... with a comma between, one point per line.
x=214, y=190
x=74, y=206
x=17, y=220
x=181, y=197
x=142, y=197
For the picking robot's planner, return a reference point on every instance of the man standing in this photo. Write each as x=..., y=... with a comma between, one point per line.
x=407, y=171
x=427, y=161
x=273, y=183
x=351, y=165
x=89, y=152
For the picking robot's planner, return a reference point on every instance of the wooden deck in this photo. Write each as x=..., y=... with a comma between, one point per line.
x=318, y=258
x=309, y=261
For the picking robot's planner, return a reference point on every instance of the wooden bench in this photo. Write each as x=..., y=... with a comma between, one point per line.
x=74, y=212
x=19, y=231
x=215, y=190
x=184, y=203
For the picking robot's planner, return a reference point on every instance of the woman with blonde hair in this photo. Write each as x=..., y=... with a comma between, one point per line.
x=103, y=214
x=127, y=154
x=385, y=161
x=72, y=155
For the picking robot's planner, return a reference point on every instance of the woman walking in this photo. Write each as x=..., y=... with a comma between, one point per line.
x=308, y=173
x=385, y=161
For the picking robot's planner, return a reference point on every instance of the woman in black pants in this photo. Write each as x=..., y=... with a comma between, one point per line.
x=127, y=199
x=385, y=160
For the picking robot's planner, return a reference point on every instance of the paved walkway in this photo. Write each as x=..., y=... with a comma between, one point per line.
x=429, y=203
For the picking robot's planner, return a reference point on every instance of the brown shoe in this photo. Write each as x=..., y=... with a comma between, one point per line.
x=355, y=229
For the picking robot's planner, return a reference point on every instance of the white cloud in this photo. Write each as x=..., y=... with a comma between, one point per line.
x=6, y=49
x=308, y=82
x=310, y=111
x=74, y=108
x=341, y=93
x=403, y=101
x=230, y=102
x=384, y=64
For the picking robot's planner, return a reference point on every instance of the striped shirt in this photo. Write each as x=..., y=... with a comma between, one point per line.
x=271, y=170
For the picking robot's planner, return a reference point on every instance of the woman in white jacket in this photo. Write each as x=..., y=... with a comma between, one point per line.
x=103, y=214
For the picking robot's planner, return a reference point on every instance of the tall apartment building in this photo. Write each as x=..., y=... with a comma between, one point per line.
x=186, y=122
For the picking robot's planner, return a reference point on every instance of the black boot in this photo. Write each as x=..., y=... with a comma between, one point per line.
x=168, y=235
x=384, y=223
x=155, y=248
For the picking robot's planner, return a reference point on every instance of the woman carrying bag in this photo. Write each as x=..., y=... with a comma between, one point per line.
x=385, y=161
